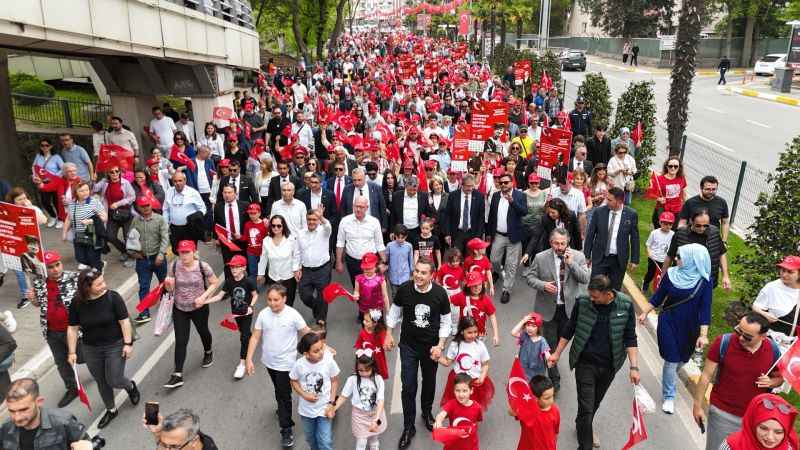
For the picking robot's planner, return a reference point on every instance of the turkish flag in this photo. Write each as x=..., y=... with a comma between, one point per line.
x=229, y=322
x=151, y=298
x=657, y=278
x=451, y=435
x=546, y=82
x=463, y=24
x=788, y=366
x=222, y=235
x=334, y=290
x=638, y=134
x=177, y=155
x=520, y=396
x=50, y=181
x=84, y=398
x=257, y=149
x=222, y=113
x=638, y=432
x=423, y=180
x=112, y=155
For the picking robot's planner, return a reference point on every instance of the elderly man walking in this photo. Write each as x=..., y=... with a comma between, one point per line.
x=358, y=235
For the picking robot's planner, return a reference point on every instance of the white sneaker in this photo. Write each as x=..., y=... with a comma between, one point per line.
x=239, y=372
x=59, y=225
x=82, y=267
x=668, y=406
x=51, y=222
x=8, y=321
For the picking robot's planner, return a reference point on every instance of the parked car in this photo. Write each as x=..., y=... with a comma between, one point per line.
x=768, y=63
x=573, y=59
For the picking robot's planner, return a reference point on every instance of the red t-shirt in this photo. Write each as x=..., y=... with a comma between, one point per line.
x=254, y=233
x=480, y=309
x=672, y=190
x=542, y=434
x=57, y=314
x=114, y=192
x=461, y=415
x=374, y=341
x=483, y=264
x=738, y=374
x=446, y=271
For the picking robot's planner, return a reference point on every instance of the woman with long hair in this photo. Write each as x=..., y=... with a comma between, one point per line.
x=51, y=163
x=535, y=198
x=261, y=180
x=670, y=186
x=214, y=141
x=80, y=226
x=144, y=186
x=280, y=256
x=557, y=215
x=101, y=318
x=117, y=196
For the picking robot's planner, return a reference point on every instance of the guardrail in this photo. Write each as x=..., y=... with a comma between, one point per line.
x=58, y=112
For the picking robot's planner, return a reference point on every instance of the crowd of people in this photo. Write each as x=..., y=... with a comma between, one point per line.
x=348, y=166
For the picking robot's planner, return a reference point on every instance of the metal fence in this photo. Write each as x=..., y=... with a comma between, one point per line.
x=58, y=112
x=739, y=182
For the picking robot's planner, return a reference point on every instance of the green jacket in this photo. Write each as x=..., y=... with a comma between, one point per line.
x=622, y=309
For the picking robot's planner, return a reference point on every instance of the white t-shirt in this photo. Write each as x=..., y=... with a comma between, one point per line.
x=279, y=337
x=165, y=129
x=468, y=357
x=777, y=298
x=367, y=396
x=658, y=243
x=314, y=378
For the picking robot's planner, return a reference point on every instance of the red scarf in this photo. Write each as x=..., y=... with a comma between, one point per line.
x=745, y=438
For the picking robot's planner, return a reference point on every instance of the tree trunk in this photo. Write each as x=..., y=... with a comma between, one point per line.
x=337, y=27
x=298, y=33
x=519, y=31
x=683, y=71
x=13, y=168
x=323, y=18
x=503, y=29
x=729, y=30
x=747, y=48
x=491, y=32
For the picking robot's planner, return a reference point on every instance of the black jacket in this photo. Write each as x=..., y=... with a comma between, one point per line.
x=517, y=209
x=396, y=211
x=627, y=236
x=598, y=151
x=247, y=190
x=327, y=201
x=587, y=165
x=220, y=210
x=274, y=193
x=377, y=208
x=452, y=216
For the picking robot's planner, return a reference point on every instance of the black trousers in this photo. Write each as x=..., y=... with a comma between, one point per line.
x=311, y=284
x=413, y=359
x=551, y=330
x=49, y=202
x=610, y=267
x=460, y=239
x=353, y=268
x=635, y=59
x=208, y=219
x=283, y=396
x=722, y=79
x=57, y=341
x=179, y=233
x=591, y=382
x=652, y=269
x=182, y=321
x=244, y=323
x=112, y=234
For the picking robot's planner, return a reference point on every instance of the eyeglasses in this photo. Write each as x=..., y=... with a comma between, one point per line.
x=338, y=169
x=782, y=407
x=747, y=337
x=275, y=225
x=163, y=446
x=673, y=166
x=113, y=171
x=505, y=182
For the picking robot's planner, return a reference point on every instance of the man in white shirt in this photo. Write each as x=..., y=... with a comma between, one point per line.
x=122, y=137
x=358, y=235
x=187, y=126
x=293, y=211
x=162, y=130
x=574, y=199
x=299, y=92
x=181, y=201
x=315, y=261
x=305, y=136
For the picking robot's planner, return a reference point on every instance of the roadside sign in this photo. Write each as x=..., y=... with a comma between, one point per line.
x=667, y=42
x=793, y=60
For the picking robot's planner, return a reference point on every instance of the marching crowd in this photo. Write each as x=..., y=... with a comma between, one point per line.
x=348, y=166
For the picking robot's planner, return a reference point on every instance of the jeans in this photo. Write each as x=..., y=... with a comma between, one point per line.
x=722, y=79
x=283, y=396
x=669, y=373
x=181, y=322
x=87, y=255
x=318, y=432
x=311, y=284
x=592, y=382
x=107, y=367
x=252, y=266
x=145, y=269
x=112, y=233
x=502, y=244
x=411, y=359
x=57, y=341
x=22, y=282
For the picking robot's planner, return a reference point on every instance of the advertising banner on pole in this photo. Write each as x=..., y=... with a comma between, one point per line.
x=485, y=115
x=522, y=72
x=463, y=23
x=793, y=60
x=20, y=240
x=554, y=148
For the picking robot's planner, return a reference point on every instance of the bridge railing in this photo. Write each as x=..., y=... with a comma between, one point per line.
x=58, y=112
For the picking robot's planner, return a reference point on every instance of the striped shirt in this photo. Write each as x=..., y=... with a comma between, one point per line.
x=78, y=212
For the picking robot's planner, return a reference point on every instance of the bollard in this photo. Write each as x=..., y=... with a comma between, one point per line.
x=67, y=113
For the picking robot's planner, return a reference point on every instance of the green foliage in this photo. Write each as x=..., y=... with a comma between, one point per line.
x=629, y=18
x=36, y=88
x=502, y=57
x=638, y=103
x=19, y=77
x=598, y=98
x=776, y=230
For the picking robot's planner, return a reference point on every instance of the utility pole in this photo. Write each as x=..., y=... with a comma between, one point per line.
x=544, y=25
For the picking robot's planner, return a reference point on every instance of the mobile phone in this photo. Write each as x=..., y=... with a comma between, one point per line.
x=379, y=422
x=702, y=426
x=151, y=413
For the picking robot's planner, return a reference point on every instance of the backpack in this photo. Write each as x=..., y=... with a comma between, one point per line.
x=723, y=349
x=199, y=265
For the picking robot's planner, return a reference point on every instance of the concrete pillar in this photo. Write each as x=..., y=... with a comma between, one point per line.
x=203, y=108
x=136, y=112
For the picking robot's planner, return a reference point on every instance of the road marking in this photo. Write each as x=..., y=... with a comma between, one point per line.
x=757, y=123
x=727, y=149
x=397, y=401
x=719, y=111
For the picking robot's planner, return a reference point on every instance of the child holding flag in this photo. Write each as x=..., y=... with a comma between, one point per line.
x=463, y=412
x=540, y=429
x=657, y=245
x=472, y=358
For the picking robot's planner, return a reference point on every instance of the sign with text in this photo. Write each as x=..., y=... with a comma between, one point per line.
x=461, y=148
x=423, y=21
x=522, y=72
x=20, y=240
x=485, y=115
x=793, y=60
x=463, y=23
x=554, y=142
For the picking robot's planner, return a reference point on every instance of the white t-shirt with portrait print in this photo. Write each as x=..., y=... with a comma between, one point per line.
x=314, y=378
x=366, y=395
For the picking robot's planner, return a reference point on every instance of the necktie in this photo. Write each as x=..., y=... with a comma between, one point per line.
x=231, y=221
x=465, y=214
x=610, y=232
x=562, y=275
x=338, y=192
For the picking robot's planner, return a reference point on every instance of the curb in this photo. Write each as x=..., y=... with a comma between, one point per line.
x=765, y=96
x=664, y=71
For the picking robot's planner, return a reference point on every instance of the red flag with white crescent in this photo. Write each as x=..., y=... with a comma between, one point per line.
x=638, y=431
x=546, y=82
x=520, y=396
x=638, y=134
x=151, y=298
x=789, y=366
x=82, y=396
x=222, y=235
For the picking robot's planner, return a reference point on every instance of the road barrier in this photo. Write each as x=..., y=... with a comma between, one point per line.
x=58, y=112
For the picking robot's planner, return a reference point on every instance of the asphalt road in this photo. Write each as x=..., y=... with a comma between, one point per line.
x=749, y=129
x=241, y=415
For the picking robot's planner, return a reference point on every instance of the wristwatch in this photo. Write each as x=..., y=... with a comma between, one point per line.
x=130, y=344
x=634, y=368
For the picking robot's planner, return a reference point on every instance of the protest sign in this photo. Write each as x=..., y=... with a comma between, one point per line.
x=20, y=240
x=553, y=143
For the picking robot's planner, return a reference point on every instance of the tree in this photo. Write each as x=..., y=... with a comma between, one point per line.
x=629, y=18
x=775, y=231
x=319, y=23
x=638, y=104
x=683, y=70
x=594, y=90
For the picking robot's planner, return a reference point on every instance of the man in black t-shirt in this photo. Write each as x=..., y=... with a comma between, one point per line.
x=717, y=206
x=275, y=128
x=424, y=309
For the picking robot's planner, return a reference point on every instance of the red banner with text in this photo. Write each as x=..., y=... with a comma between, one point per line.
x=20, y=240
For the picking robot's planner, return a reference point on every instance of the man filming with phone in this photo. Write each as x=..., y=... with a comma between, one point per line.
x=179, y=430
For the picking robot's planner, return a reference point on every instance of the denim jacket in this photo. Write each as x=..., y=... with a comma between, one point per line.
x=59, y=429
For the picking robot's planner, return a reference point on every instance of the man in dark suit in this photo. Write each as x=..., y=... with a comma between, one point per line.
x=360, y=188
x=606, y=255
x=284, y=176
x=504, y=231
x=579, y=161
x=409, y=207
x=315, y=196
x=245, y=188
x=465, y=215
x=231, y=214
x=599, y=146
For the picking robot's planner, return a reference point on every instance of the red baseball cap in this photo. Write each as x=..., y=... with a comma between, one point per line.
x=51, y=257
x=186, y=246
x=474, y=278
x=666, y=216
x=151, y=161
x=225, y=163
x=476, y=244
x=790, y=262
x=369, y=261
x=534, y=178
x=431, y=164
x=237, y=261
x=143, y=201
x=535, y=318
x=254, y=208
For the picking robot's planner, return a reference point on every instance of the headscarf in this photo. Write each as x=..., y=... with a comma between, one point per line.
x=696, y=265
x=757, y=412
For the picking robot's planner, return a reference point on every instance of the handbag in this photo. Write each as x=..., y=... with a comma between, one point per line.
x=84, y=237
x=164, y=315
x=122, y=214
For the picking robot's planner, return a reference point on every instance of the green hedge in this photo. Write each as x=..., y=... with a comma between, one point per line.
x=34, y=87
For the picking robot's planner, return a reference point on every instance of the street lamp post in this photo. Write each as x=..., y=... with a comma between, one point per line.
x=544, y=25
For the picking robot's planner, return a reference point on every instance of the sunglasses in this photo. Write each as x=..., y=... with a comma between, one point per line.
x=178, y=138
x=673, y=166
x=275, y=225
x=113, y=171
x=505, y=182
x=622, y=152
x=338, y=169
x=747, y=337
x=697, y=225
x=782, y=407
x=45, y=145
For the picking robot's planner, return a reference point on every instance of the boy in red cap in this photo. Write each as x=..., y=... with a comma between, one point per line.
x=243, y=294
x=254, y=232
x=477, y=260
x=474, y=302
x=657, y=245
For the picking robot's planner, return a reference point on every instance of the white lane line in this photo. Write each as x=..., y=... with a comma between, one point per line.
x=727, y=149
x=148, y=365
x=397, y=401
x=719, y=111
x=759, y=124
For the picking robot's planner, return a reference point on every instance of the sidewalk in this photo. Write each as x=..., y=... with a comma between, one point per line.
x=647, y=69
x=760, y=88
